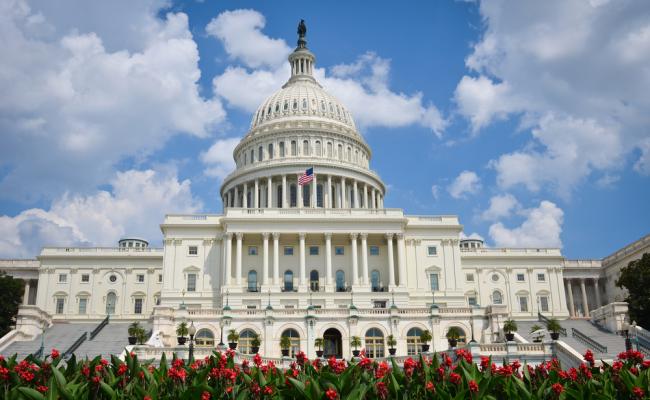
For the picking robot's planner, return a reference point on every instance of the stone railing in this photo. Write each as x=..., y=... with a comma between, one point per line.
x=326, y=212
x=567, y=356
x=47, y=251
x=513, y=251
x=334, y=312
x=610, y=316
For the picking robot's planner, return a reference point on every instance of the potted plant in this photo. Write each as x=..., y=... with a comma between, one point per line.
x=425, y=339
x=256, y=341
x=318, y=342
x=509, y=327
x=453, y=334
x=355, y=343
x=537, y=338
x=181, y=331
x=134, y=332
x=233, y=337
x=553, y=326
x=391, y=342
x=285, y=345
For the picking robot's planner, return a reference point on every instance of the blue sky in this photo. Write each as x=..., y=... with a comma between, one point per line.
x=530, y=122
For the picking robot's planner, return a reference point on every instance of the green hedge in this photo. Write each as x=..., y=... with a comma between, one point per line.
x=218, y=377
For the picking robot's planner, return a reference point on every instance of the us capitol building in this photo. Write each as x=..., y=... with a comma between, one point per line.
x=323, y=259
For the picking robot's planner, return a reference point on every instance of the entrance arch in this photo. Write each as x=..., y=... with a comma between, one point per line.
x=333, y=343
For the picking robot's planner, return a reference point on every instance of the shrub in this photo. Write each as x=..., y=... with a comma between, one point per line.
x=553, y=325
x=181, y=329
x=355, y=342
x=390, y=341
x=285, y=342
x=509, y=326
x=233, y=336
x=318, y=342
x=453, y=333
x=425, y=336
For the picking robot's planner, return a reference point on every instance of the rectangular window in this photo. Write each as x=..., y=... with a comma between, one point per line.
x=432, y=250
x=193, y=250
x=159, y=278
x=191, y=282
x=82, y=305
x=339, y=250
x=379, y=304
x=137, y=306
x=288, y=250
x=469, y=277
x=471, y=301
x=60, y=301
x=434, y=281
x=523, y=304
x=521, y=278
x=313, y=250
x=85, y=278
x=140, y=278
x=281, y=149
x=294, y=148
x=374, y=250
x=63, y=278
x=252, y=250
x=251, y=307
x=543, y=303
x=541, y=277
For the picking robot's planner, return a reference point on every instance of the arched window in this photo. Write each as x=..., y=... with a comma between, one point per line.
x=252, y=156
x=496, y=297
x=260, y=153
x=318, y=149
x=306, y=195
x=294, y=148
x=293, y=335
x=252, y=281
x=349, y=154
x=245, y=158
x=270, y=151
x=305, y=147
x=249, y=204
x=322, y=105
x=413, y=345
x=288, y=281
x=286, y=105
x=268, y=112
x=304, y=104
x=293, y=196
x=111, y=301
x=281, y=149
x=374, y=281
x=319, y=195
x=340, y=281
x=313, y=280
x=356, y=156
x=340, y=152
x=204, y=338
x=374, y=343
x=295, y=104
x=329, y=149
x=277, y=107
x=462, y=337
x=245, y=338
x=279, y=193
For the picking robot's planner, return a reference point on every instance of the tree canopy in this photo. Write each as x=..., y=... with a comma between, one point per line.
x=11, y=295
x=636, y=279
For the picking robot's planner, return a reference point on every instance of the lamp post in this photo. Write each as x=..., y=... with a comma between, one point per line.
x=221, y=347
x=192, y=331
x=626, y=331
x=635, y=336
x=471, y=323
x=42, y=349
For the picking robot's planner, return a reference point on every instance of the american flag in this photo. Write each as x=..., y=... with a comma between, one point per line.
x=307, y=177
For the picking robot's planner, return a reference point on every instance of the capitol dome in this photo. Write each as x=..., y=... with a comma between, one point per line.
x=298, y=128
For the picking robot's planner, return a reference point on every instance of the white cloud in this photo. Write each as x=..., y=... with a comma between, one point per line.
x=435, y=191
x=501, y=206
x=541, y=228
x=135, y=206
x=218, y=158
x=467, y=182
x=75, y=101
x=642, y=165
x=575, y=72
x=472, y=235
x=362, y=86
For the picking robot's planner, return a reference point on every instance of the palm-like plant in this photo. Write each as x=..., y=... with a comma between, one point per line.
x=318, y=342
x=355, y=342
x=233, y=336
x=390, y=341
x=509, y=326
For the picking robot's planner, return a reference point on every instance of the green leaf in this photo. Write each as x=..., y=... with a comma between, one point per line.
x=31, y=393
x=107, y=389
x=61, y=383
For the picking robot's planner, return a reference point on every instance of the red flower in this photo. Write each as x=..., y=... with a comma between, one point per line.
x=454, y=378
x=41, y=388
x=473, y=386
x=638, y=392
x=121, y=370
x=55, y=354
x=382, y=390
x=4, y=373
x=557, y=388
x=430, y=386
x=589, y=357
x=485, y=363
x=257, y=359
x=205, y=396
x=146, y=398
x=268, y=390
x=331, y=394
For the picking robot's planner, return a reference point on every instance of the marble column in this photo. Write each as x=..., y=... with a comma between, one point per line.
x=365, y=195
x=284, y=192
x=355, y=263
x=303, y=275
x=584, y=298
x=265, y=260
x=269, y=192
x=355, y=190
x=328, y=258
x=314, y=192
x=276, y=258
x=298, y=192
x=391, y=262
x=364, y=258
x=401, y=262
x=572, y=307
x=228, y=259
x=256, y=195
x=238, y=259
x=343, y=200
x=245, y=196
x=597, y=290
x=236, y=199
x=26, y=294
x=373, y=198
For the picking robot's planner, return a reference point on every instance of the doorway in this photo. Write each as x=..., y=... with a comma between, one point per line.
x=333, y=343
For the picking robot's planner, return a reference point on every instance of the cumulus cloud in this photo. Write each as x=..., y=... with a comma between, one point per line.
x=218, y=158
x=135, y=205
x=435, y=191
x=467, y=182
x=472, y=235
x=501, y=206
x=362, y=85
x=77, y=101
x=541, y=228
x=576, y=74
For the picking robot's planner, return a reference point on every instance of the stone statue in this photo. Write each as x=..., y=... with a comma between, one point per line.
x=302, y=29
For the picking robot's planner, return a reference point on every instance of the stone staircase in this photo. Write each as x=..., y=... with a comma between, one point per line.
x=59, y=336
x=615, y=344
x=110, y=340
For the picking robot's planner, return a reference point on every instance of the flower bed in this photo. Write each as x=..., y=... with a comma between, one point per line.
x=219, y=377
